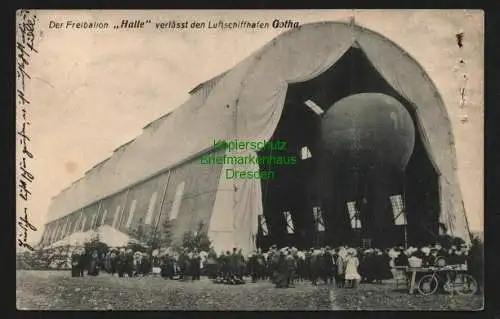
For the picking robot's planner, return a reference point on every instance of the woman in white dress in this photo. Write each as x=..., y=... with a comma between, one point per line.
x=352, y=276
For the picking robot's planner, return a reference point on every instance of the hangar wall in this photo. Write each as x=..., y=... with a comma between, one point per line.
x=194, y=184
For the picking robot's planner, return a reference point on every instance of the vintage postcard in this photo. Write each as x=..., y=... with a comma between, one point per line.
x=249, y=160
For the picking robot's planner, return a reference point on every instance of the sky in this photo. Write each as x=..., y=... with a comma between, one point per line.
x=93, y=90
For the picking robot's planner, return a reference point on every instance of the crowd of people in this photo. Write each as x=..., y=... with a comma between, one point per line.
x=342, y=266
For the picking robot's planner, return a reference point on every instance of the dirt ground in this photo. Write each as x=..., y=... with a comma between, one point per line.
x=56, y=290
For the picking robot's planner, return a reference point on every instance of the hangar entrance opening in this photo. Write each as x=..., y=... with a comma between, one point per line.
x=329, y=199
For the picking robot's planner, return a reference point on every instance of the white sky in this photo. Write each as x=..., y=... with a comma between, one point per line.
x=92, y=91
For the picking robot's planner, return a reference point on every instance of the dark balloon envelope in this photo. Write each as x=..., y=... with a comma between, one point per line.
x=368, y=130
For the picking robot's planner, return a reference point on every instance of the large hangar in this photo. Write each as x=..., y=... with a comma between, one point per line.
x=367, y=125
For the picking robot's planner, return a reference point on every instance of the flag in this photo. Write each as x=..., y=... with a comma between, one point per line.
x=354, y=215
x=289, y=223
x=263, y=225
x=397, y=209
x=318, y=219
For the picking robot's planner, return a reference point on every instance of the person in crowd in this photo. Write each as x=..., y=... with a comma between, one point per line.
x=113, y=262
x=252, y=266
x=341, y=267
x=275, y=264
x=316, y=265
x=225, y=261
x=168, y=265
x=156, y=263
x=402, y=259
x=183, y=264
x=281, y=272
x=380, y=264
x=211, y=264
x=427, y=259
x=82, y=262
x=441, y=252
x=385, y=270
x=328, y=266
x=291, y=267
x=107, y=261
x=129, y=265
x=308, y=254
x=195, y=263
x=301, y=266
x=123, y=262
x=145, y=265
x=93, y=264
x=240, y=265
x=265, y=267
x=76, y=270
x=366, y=266
x=203, y=262
x=458, y=257
x=234, y=263
x=352, y=276
x=137, y=260
x=260, y=264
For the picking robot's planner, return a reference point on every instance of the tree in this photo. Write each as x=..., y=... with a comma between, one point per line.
x=142, y=238
x=150, y=237
x=164, y=234
x=197, y=239
x=94, y=244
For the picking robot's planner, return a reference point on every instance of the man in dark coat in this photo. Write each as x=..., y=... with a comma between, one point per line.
x=270, y=263
x=226, y=268
x=261, y=265
x=113, y=262
x=385, y=270
x=281, y=270
x=121, y=262
x=211, y=264
x=275, y=266
x=234, y=263
x=253, y=267
x=195, y=265
x=82, y=262
x=307, y=264
x=93, y=264
x=328, y=268
x=401, y=260
x=75, y=263
x=125, y=263
x=167, y=266
x=183, y=264
x=145, y=265
x=341, y=265
x=291, y=265
x=316, y=266
x=129, y=264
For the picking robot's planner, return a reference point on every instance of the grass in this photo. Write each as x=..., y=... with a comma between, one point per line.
x=56, y=290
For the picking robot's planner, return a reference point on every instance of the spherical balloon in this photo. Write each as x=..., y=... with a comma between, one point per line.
x=369, y=130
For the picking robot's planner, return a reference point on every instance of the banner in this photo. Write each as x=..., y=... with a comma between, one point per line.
x=290, y=229
x=398, y=210
x=263, y=225
x=318, y=219
x=354, y=215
